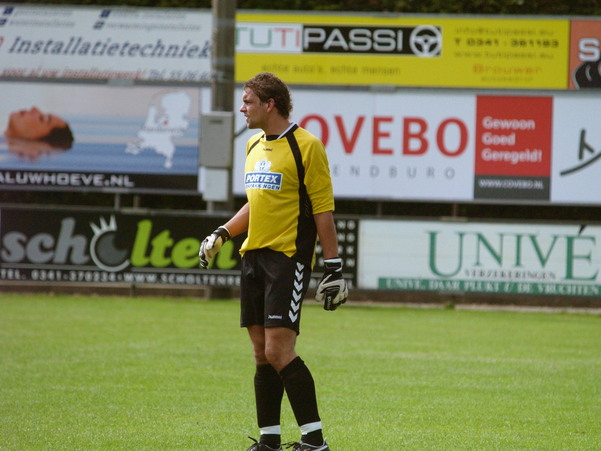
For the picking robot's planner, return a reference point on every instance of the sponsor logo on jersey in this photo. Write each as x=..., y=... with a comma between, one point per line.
x=263, y=178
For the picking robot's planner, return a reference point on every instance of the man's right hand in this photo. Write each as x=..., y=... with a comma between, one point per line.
x=212, y=244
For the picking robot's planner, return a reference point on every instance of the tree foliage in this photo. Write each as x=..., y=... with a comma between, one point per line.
x=520, y=7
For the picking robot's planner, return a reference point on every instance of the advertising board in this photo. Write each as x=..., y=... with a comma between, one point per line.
x=99, y=43
x=470, y=257
x=585, y=54
x=131, y=138
x=384, y=141
x=404, y=50
x=452, y=146
x=76, y=246
x=414, y=145
x=106, y=247
x=349, y=49
x=391, y=145
x=576, y=150
x=513, y=147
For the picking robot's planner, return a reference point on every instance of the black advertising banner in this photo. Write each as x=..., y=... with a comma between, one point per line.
x=72, y=246
x=99, y=138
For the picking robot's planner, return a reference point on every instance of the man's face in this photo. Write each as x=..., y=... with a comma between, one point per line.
x=253, y=109
x=32, y=124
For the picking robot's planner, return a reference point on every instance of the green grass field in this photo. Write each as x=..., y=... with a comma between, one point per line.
x=91, y=373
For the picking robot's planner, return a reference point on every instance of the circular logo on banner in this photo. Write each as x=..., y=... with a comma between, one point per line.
x=426, y=41
x=103, y=248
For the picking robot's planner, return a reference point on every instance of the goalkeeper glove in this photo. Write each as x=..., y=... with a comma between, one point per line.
x=212, y=244
x=332, y=289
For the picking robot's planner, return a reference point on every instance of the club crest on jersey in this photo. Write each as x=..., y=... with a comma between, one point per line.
x=263, y=178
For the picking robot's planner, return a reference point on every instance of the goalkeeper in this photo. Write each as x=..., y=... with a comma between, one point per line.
x=290, y=204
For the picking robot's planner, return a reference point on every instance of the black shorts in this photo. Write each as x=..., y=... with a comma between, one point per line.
x=272, y=289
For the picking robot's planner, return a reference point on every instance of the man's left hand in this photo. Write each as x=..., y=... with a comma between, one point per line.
x=332, y=290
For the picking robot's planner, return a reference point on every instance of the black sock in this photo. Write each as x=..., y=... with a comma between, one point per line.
x=314, y=438
x=271, y=440
x=269, y=391
x=300, y=389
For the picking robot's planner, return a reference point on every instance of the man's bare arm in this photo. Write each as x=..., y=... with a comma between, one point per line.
x=326, y=230
x=239, y=222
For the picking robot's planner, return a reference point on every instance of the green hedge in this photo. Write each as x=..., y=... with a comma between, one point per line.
x=524, y=7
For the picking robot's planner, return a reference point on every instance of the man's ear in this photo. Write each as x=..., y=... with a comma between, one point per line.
x=270, y=104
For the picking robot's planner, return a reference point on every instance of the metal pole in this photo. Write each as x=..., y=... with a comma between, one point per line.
x=223, y=76
x=222, y=56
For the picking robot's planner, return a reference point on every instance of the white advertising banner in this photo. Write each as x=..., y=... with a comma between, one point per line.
x=465, y=257
x=105, y=43
x=388, y=145
x=452, y=146
x=576, y=150
x=104, y=137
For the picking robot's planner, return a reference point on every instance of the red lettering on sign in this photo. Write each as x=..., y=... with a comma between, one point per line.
x=414, y=134
x=450, y=137
x=377, y=134
x=349, y=145
x=440, y=137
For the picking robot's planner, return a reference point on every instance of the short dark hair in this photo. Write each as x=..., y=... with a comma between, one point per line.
x=268, y=86
x=60, y=137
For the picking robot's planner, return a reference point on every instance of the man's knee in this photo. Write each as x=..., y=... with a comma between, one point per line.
x=257, y=338
x=279, y=347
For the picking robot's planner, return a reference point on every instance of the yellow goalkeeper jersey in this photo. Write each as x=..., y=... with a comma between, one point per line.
x=287, y=180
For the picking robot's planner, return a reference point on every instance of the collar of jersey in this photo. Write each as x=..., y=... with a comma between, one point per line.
x=293, y=126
